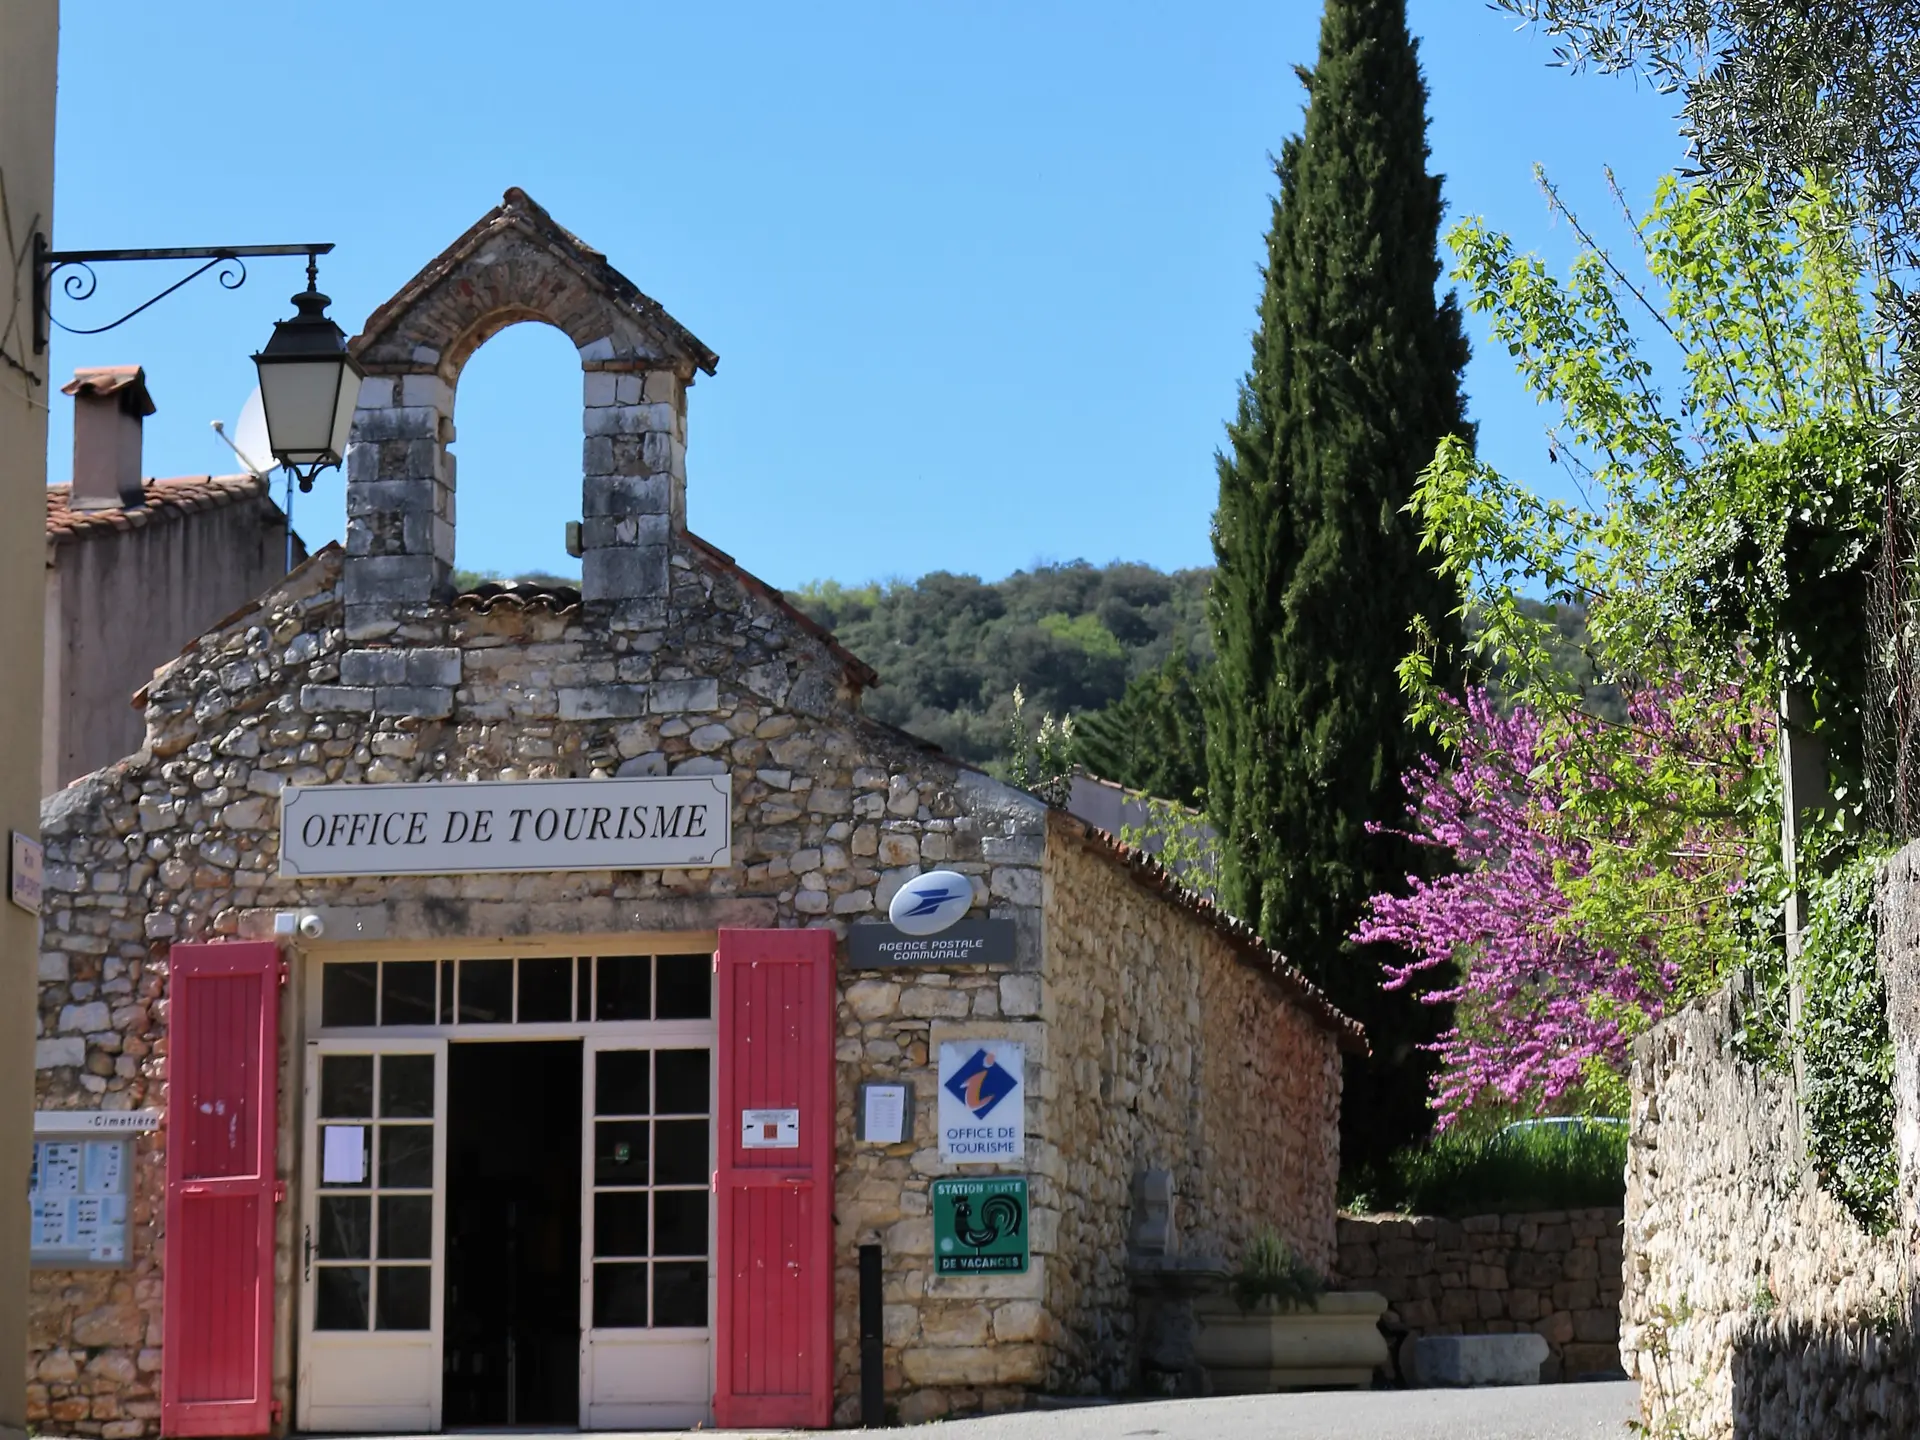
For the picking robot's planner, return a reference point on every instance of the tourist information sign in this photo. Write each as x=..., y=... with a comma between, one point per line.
x=980, y=1225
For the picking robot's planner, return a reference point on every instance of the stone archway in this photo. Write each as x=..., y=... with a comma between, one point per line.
x=515, y=265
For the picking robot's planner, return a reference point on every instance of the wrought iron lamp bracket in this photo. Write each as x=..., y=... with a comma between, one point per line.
x=227, y=260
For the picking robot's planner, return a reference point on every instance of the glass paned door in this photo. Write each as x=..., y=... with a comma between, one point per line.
x=371, y=1228
x=647, y=1231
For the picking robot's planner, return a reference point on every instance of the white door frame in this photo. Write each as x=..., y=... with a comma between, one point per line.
x=644, y=1357
x=645, y=1386
x=393, y=1376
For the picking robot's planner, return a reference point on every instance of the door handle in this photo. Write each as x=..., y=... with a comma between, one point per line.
x=307, y=1255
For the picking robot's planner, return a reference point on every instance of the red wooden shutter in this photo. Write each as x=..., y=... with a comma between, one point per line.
x=223, y=1059
x=774, y=1340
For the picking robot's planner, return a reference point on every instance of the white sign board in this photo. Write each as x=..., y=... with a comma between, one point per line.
x=94, y=1122
x=769, y=1129
x=26, y=872
x=668, y=822
x=983, y=1100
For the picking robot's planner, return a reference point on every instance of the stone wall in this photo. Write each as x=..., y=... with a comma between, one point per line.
x=1174, y=1049
x=1755, y=1306
x=177, y=842
x=1555, y=1272
x=953, y=1344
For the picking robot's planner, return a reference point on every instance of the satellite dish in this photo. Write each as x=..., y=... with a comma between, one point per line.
x=250, y=435
x=249, y=440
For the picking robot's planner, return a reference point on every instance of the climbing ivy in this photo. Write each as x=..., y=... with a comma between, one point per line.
x=1841, y=1042
x=1846, y=1051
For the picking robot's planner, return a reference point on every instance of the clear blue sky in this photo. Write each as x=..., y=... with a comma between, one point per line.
x=981, y=275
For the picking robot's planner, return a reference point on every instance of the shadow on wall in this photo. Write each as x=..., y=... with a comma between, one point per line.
x=1793, y=1380
x=1756, y=1306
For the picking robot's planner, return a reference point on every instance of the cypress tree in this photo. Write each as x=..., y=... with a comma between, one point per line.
x=1355, y=378
x=1152, y=738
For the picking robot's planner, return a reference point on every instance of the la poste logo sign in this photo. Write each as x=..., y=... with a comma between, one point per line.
x=983, y=1093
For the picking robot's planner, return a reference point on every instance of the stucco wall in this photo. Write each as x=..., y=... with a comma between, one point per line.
x=1755, y=1306
x=29, y=42
x=1170, y=1050
x=127, y=602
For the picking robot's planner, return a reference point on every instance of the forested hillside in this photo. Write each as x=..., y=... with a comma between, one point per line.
x=951, y=648
x=1117, y=647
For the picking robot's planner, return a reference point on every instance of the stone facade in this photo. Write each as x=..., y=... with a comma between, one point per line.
x=361, y=668
x=1168, y=1052
x=1554, y=1272
x=1755, y=1306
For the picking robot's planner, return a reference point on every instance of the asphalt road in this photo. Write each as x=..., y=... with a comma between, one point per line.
x=1532, y=1412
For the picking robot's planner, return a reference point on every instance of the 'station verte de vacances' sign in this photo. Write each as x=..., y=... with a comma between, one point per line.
x=467, y=827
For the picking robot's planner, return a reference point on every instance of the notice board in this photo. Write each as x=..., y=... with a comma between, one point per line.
x=77, y=1196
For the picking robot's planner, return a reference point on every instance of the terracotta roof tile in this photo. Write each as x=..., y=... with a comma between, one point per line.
x=562, y=599
x=1149, y=874
x=167, y=500
x=129, y=382
x=518, y=595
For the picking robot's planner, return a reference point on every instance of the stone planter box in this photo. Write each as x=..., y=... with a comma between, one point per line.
x=1336, y=1343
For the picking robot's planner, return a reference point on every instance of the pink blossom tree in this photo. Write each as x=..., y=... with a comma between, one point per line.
x=1563, y=938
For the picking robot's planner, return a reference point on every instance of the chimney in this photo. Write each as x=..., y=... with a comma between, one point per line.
x=109, y=402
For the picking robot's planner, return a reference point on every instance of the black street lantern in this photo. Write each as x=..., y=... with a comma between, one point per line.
x=309, y=386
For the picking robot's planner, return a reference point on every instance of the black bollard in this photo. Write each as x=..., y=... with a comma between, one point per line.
x=873, y=1354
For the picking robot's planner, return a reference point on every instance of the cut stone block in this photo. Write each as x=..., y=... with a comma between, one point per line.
x=1477, y=1359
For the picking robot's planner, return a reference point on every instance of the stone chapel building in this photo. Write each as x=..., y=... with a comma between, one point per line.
x=479, y=1009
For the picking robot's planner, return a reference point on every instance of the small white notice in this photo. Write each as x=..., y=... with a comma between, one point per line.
x=104, y=1159
x=84, y=1233
x=343, y=1155
x=49, y=1224
x=60, y=1169
x=884, y=1119
x=111, y=1243
x=769, y=1129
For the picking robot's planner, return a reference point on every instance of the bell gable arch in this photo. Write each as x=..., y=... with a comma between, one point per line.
x=516, y=264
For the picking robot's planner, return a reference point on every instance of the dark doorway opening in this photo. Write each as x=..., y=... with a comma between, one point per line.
x=513, y=1234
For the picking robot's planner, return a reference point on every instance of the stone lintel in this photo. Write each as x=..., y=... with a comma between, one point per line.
x=671, y=697
x=603, y=702
x=424, y=702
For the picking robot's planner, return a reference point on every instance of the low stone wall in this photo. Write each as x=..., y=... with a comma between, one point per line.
x=1554, y=1272
x=1755, y=1306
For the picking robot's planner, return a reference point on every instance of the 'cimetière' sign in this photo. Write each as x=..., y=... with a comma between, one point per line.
x=459, y=828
